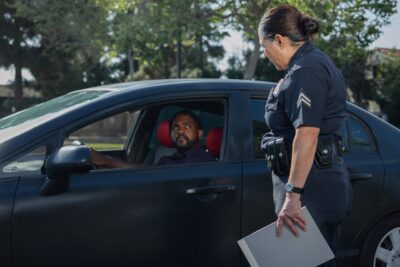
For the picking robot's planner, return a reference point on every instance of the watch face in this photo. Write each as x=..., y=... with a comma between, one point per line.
x=288, y=187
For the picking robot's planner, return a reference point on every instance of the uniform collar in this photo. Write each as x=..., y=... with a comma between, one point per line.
x=299, y=53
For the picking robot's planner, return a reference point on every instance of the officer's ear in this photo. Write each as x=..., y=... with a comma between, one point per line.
x=280, y=40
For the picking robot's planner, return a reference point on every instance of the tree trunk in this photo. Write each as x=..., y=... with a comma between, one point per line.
x=178, y=55
x=131, y=64
x=18, y=87
x=251, y=63
x=200, y=40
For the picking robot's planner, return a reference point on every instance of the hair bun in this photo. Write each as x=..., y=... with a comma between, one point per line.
x=310, y=25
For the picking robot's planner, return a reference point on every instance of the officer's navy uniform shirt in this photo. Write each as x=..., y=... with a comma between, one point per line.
x=312, y=93
x=196, y=154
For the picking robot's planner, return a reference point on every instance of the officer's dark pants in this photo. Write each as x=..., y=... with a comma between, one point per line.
x=327, y=195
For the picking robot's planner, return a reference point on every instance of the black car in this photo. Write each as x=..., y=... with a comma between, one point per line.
x=57, y=210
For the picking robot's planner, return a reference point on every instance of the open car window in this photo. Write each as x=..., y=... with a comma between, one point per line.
x=146, y=146
x=110, y=133
x=131, y=136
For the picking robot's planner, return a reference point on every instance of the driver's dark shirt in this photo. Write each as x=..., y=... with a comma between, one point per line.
x=196, y=154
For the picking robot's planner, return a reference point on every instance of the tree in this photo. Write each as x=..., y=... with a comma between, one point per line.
x=387, y=87
x=347, y=26
x=169, y=38
x=17, y=44
x=245, y=15
x=69, y=39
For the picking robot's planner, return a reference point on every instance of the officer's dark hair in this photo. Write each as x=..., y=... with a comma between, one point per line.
x=288, y=21
x=187, y=113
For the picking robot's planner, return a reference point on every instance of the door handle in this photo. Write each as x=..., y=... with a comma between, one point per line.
x=209, y=190
x=360, y=176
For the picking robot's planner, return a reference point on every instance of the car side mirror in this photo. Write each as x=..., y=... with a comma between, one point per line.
x=61, y=164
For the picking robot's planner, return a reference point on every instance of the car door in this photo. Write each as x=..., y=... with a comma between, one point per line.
x=366, y=172
x=27, y=165
x=7, y=190
x=258, y=207
x=257, y=202
x=179, y=215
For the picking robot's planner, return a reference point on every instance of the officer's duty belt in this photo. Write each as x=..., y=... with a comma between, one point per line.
x=278, y=152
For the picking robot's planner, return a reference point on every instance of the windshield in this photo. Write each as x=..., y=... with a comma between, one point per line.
x=28, y=118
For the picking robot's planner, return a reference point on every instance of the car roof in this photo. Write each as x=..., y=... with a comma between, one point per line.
x=246, y=84
x=228, y=84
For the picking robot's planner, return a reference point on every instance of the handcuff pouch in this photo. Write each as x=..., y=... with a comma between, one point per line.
x=324, y=152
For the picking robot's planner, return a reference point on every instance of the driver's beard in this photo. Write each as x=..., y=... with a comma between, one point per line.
x=189, y=145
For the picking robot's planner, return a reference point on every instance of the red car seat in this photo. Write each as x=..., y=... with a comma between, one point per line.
x=214, y=141
x=163, y=134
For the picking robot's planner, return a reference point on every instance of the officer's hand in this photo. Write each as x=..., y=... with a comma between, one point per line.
x=290, y=215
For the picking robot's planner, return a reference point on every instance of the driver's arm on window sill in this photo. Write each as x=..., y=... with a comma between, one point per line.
x=106, y=162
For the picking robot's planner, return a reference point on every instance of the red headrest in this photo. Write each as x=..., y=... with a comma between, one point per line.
x=214, y=140
x=164, y=135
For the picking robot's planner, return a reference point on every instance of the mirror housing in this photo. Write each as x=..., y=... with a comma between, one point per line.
x=61, y=164
x=67, y=160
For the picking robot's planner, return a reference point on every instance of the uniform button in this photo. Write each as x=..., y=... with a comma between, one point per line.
x=325, y=151
x=272, y=157
x=280, y=154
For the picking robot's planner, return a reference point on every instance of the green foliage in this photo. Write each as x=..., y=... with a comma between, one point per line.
x=387, y=84
x=17, y=42
x=348, y=28
x=73, y=44
x=152, y=30
x=69, y=37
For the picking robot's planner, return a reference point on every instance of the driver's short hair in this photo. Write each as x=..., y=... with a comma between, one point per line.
x=187, y=113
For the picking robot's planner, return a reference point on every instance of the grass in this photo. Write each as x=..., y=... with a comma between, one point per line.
x=105, y=146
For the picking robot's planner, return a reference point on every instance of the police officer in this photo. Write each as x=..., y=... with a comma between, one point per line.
x=304, y=113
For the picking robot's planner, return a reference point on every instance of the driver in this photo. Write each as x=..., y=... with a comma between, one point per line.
x=186, y=131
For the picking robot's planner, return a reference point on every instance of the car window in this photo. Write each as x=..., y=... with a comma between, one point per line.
x=344, y=131
x=106, y=134
x=257, y=110
x=208, y=119
x=360, y=136
x=210, y=113
x=29, y=162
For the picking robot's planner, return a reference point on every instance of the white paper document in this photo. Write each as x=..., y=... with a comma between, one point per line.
x=264, y=249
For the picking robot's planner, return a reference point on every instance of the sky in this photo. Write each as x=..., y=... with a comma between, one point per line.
x=390, y=38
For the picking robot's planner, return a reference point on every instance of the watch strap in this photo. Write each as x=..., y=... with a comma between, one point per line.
x=297, y=190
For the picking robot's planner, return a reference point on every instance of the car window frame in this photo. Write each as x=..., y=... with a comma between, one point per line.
x=261, y=98
x=367, y=129
x=146, y=102
x=220, y=99
x=48, y=141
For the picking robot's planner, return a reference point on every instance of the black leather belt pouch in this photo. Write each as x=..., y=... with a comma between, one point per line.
x=324, y=153
x=283, y=152
x=270, y=155
x=278, y=155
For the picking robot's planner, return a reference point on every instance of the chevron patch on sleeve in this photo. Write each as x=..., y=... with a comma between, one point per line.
x=303, y=99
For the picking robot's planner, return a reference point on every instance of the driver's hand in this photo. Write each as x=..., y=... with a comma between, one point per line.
x=98, y=159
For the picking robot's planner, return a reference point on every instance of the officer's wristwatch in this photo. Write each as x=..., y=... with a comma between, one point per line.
x=289, y=188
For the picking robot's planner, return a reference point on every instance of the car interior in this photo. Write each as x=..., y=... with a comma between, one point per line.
x=143, y=136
